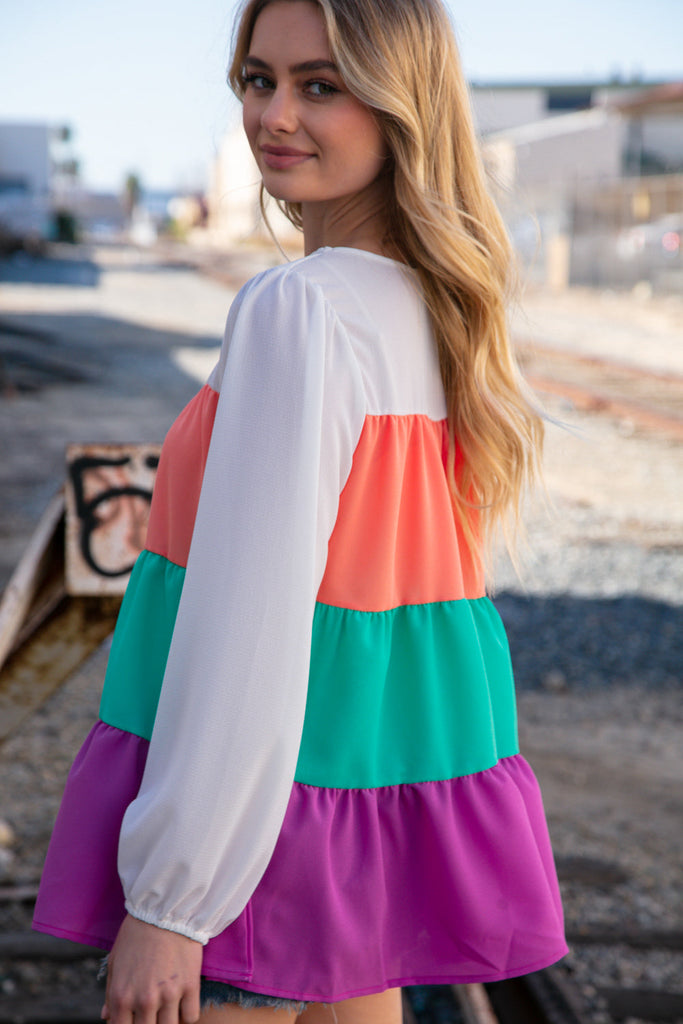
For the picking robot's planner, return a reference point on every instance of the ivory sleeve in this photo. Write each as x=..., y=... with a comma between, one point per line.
x=198, y=837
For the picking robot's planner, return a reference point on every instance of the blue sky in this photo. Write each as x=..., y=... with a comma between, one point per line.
x=141, y=82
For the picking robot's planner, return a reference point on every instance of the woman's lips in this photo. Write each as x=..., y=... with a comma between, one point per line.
x=279, y=158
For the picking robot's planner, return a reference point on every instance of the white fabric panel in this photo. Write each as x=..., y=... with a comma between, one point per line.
x=381, y=304
x=199, y=836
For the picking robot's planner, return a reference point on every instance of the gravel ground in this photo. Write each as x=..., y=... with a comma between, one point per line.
x=596, y=628
x=595, y=632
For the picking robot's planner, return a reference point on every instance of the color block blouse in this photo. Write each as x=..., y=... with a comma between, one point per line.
x=308, y=727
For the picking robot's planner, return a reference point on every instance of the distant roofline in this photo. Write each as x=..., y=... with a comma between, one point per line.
x=666, y=95
x=577, y=84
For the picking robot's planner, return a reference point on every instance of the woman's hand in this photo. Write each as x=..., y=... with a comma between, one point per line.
x=153, y=975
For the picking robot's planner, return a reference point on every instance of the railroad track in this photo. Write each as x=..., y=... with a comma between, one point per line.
x=648, y=399
x=544, y=997
x=541, y=998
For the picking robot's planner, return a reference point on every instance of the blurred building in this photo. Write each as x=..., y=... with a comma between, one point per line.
x=234, y=213
x=100, y=215
x=607, y=134
x=581, y=181
x=25, y=182
x=500, y=106
x=41, y=197
x=655, y=129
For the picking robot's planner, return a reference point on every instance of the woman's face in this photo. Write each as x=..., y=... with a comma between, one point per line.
x=312, y=139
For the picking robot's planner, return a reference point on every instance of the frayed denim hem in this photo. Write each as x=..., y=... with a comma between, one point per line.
x=219, y=993
x=102, y=969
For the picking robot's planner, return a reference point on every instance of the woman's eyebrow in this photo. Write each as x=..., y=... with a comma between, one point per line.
x=306, y=65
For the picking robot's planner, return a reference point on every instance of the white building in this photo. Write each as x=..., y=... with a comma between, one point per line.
x=25, y=157
x=655, y=136
x=499, y=106
x=25, y=179
x=588, y=145
x=626, y=132
x=234, y=211
x=570, y=184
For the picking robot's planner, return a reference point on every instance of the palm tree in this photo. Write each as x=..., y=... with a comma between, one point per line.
x=132, y=191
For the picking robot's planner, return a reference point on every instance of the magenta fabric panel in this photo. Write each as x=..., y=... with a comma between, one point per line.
x=417, y=883
x=414, y=884
x=80, y=896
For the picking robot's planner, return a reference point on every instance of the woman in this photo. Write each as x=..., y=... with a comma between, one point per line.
x=333, y=803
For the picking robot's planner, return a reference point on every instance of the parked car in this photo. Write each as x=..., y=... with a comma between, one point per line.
x=656, y=244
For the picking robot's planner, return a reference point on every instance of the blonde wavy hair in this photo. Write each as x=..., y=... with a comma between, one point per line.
x=400, y=58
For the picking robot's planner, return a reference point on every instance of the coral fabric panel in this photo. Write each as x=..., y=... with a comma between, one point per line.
x=395, y=541
x=179, y=478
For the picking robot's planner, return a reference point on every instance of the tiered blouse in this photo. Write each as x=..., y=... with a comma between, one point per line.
x=307, y=752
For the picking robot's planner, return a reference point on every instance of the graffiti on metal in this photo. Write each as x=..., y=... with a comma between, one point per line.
x=109, y=490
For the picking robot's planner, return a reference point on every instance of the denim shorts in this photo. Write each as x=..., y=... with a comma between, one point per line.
x=219, y=993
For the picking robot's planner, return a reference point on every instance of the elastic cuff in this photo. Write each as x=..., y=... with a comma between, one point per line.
x=181, y=928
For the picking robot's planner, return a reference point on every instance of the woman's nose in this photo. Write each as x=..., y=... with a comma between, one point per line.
x=279, y=114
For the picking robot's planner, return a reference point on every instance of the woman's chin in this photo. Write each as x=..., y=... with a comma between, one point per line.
x=285, y=191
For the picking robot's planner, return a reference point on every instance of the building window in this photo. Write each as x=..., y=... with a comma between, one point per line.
x=562, y=101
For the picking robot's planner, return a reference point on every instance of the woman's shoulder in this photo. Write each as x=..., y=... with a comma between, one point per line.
x=367, y=313
x=369, y=303
x=287, y=296
x=295, y=273
x=282, y=291
x=297, y=307
x=342, y=277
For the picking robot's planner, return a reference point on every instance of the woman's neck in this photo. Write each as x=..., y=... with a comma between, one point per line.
x=356, y=222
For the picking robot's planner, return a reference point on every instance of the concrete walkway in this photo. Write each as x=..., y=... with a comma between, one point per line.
x=98, y=347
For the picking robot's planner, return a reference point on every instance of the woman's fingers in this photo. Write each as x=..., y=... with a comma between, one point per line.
x=187, y=1010
x=190, y=1009
x=153, y=976
x=167, y=1006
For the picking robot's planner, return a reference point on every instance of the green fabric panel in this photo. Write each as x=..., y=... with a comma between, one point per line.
x=418, y=693
x=140, y=646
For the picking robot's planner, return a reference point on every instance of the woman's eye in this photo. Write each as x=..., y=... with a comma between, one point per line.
x=321, y=89
x=256, y=81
